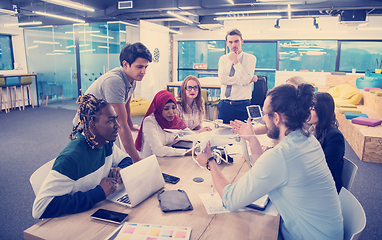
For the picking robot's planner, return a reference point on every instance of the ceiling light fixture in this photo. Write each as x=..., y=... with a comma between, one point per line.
x=101, y=36
x=83, y=32
x=183, y=19
x=252, y=11
x=126, y=23
x=277, y=25
x=231, y=1
x=58, y=16
x=88, y=50
x=10, y=12
x=80, y=24
x=210, y=26
x=22, y=24
x=54, y=54
x=82, y=45
x=32, y=47
x=70, y=4
x=173, y=31
x=45, y=42
x=247, y=17
x=59, y=50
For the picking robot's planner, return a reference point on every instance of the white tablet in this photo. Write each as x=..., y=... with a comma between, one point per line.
x=254, y=111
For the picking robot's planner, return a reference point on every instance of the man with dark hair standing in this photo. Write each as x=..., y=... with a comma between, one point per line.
x=117, y=87
x=294, y=173
x=235, y=72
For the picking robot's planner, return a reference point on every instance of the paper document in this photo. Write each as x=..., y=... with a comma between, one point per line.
x=213, y=204
x=152, y=231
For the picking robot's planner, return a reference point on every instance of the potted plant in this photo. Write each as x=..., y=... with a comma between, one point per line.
x=378, y=67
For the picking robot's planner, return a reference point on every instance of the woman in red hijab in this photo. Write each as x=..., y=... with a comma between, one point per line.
x=152, y=139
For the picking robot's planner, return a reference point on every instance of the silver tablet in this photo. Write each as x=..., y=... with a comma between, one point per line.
x=254, y=111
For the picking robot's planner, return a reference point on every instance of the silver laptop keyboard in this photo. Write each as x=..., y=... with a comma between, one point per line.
x=124, y=199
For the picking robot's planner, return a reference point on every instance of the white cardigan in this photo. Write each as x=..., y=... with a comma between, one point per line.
x=154, y=140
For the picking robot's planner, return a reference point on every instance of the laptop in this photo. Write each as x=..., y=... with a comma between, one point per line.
x=140, y=180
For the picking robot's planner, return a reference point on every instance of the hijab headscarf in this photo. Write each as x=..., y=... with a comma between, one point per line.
x=156, y=107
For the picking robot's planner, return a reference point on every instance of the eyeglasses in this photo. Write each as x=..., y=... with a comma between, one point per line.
x=189, y=88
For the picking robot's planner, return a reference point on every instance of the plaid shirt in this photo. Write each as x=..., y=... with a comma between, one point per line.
x=193, y=117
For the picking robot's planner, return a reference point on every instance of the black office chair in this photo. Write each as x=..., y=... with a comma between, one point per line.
x=260, y=90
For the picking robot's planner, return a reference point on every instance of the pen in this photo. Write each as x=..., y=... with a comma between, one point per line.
x=212, y=190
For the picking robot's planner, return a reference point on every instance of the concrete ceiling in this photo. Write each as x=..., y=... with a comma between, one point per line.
x=198, y=11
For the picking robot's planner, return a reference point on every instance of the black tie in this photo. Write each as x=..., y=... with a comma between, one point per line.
x=229, y=87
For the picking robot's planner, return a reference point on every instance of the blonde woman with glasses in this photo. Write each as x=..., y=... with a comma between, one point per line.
x=190, y=104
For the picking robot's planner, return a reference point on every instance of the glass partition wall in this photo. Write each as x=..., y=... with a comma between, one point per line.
x=348, y=56
x=51, y=53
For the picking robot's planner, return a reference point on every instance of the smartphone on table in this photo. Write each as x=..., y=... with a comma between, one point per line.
x=170, y=179
x=109, y=216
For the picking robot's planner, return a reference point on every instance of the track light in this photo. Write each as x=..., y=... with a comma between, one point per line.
x=58, y=16
x=22, y=24
x=10, y=12
x=315, y=24
x=247, y=17
x=277, y=25
x=181, y=18
x=71, y=4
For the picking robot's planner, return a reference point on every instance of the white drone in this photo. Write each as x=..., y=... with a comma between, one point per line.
x=219, y=137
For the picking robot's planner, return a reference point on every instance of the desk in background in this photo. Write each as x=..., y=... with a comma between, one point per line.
x=233, y=225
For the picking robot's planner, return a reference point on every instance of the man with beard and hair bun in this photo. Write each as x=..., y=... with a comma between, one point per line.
x=294, y=173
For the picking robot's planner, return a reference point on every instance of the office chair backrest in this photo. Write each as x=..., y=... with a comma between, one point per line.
x=353, y=215
x=39, y=176
x=348, y=173
x=259, y=92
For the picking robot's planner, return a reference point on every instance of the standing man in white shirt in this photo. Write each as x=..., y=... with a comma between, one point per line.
x=235, y=72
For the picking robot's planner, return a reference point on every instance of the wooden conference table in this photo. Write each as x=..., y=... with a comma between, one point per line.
x=234, y=225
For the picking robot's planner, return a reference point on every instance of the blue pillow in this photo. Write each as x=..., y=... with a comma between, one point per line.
x=351, y=115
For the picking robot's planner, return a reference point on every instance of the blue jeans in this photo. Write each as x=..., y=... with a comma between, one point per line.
x=231, y=110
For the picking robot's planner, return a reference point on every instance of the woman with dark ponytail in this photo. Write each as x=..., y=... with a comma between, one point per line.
x=325, y=128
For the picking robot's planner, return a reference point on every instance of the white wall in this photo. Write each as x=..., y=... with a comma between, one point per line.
x=329, y=28
x=154, y=36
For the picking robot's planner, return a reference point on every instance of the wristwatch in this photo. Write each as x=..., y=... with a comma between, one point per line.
x=208, y=160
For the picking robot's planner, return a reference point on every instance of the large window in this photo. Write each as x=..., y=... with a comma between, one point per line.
x=360, y=55
x=191, y=52
x=266, y=55
x=6, y=55
x=311, y=55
